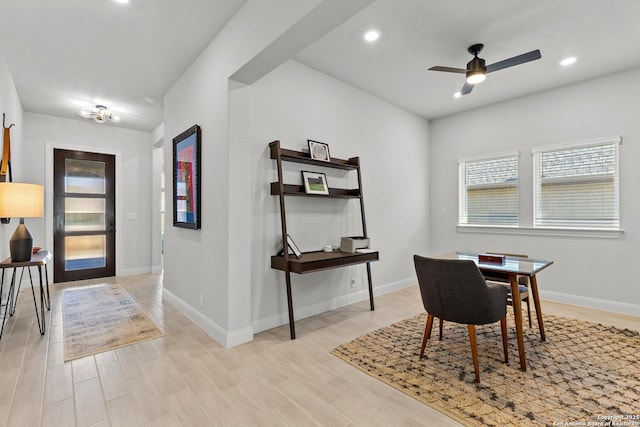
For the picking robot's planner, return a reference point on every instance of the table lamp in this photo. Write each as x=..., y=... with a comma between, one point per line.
x=20, y=200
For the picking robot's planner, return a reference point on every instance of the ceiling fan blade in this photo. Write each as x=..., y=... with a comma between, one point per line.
x=516, y=60
x=448, y=69
x=466, y=89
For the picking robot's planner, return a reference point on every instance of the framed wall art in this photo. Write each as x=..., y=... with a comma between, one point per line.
x=186, y=178
x=319, y=150
x=315, y=183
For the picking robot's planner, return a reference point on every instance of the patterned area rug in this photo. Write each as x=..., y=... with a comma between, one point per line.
x=582, y=373
x=100, y=318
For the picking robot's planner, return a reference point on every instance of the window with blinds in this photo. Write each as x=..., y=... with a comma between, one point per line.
x=576, y=186
x=488, y=191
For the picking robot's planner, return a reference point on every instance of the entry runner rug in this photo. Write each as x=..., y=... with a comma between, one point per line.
x=583, y=372
x=100, y=318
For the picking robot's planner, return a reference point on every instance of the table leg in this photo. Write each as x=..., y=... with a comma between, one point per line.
x=370, y=286
x=517, y=311
x=11, y=297
x=292, y=326
x=536, y=300
x=48, y=297
x=17, y=293
x=39, y=316
x=7, y=306
x=4, y=314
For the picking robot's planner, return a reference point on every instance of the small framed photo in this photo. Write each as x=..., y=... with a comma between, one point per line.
x=315, y=182
x=292, y=245
x=319, y=150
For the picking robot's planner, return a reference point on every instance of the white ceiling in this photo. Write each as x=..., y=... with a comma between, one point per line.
x=418, y=34
x=68, y=55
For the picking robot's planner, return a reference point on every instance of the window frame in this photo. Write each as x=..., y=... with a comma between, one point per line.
x=575, y=224
x=463, y=211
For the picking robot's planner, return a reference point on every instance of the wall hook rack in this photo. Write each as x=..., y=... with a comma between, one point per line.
x=3, y=117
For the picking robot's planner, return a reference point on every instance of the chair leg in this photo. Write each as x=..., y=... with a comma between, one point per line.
x=441, y=322
x=505, y=346
x=528, y=310
x=427, y=333
x=474, y=351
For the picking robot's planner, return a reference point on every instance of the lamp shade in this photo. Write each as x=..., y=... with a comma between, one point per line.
x=20, y=200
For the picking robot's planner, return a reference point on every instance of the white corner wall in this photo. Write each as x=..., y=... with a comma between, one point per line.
x=295, y=103
x=198, y=264
x=133, y=150
x=587, y=271
x=12, y=108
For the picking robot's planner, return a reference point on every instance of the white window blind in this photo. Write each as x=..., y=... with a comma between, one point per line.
x=577, y=186
x=488, y=191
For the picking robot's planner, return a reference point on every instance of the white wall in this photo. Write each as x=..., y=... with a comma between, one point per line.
x=295, y=103
x=133, y=180
x=588, y=271
x=208, y=273
x=12, y=108
x=198, y=265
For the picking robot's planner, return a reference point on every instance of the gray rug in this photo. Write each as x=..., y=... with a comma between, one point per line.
x=101, y=318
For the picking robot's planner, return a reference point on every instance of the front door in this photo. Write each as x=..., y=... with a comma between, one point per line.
x=84, y=222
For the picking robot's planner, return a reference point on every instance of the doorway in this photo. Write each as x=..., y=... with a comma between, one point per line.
x=84, y=223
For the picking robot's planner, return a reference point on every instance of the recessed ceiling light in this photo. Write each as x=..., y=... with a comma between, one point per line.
x=371, y=35
x=568, y=61
x=457, y=94
x=121, y=1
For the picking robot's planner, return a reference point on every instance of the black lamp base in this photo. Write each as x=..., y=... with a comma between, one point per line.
x=21, y=244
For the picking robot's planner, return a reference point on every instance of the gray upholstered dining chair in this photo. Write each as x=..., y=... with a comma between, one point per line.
x=455, y=291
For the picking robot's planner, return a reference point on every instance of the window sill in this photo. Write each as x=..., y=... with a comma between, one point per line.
x=538, y=231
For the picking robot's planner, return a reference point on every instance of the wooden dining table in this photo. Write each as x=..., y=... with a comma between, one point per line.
x=509, y=270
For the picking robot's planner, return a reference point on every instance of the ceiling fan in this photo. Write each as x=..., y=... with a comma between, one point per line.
x=476, y=70
x=100, y=115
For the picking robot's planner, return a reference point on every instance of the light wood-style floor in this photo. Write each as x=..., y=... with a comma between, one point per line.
x=187, y=379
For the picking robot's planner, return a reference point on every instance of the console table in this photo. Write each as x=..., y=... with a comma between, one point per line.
x=39, y=260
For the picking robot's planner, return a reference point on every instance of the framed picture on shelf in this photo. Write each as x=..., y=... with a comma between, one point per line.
x=315, y=183
x=186, y=178
x=319, y=150
x=292, y=245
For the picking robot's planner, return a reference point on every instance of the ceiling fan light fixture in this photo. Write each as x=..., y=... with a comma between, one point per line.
x=475, y=77
x=476, y=71
x=476, y=68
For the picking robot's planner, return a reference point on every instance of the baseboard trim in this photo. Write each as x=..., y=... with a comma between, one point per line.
x=595, y=303
x=280, y=319
x=133, y=271
x=226, y=338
